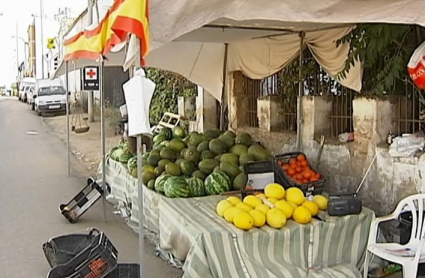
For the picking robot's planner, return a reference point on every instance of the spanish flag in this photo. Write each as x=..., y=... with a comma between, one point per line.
x=125, y=17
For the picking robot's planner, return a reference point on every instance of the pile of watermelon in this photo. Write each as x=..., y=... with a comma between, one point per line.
x=121, y=153
x=185, y=165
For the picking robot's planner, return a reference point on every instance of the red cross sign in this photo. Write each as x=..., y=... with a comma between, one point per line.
x=91, y=73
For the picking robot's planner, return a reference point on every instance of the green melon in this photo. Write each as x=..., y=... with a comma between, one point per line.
x=151, y=184
x=196, y=139
x=178, y=132
x=117, y=154
x=227, y=140
x=111, y=151
x=198, y=174
x=240, y=181
x=157, y=139
x=230, y=169
x=173, y=169
x=187, y=167
x=239, y=149
x=160, y=181
x=196, y=187
x=244, y=139
x=177, y=145
x=167, y=133
x=148, y=168
x=246, y=158
x=192, y=155
x=179, y=161
x=164, y=162
x=259, y=153
x=159, y=170
x=229, y=133
x=229, y=157
x=207, y=165
x=217, y=146
x=147, y=176
x=212, y=133
x=132, y=164
x=203, y=146
x=218, y=170
x=217, y=183
x=207, y=155
x=153, y=159
x=176, y=187
x=167, y=153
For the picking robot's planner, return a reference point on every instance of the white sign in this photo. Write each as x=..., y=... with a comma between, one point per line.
x=90, y=73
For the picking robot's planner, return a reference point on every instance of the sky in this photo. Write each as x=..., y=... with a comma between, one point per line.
x=20, y=13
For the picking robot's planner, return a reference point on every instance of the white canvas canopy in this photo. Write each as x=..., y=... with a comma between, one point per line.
x=188, y=37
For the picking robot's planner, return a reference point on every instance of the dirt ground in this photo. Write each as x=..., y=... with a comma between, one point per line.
x=86, y=147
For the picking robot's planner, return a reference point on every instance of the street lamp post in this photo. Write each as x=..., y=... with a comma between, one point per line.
x=42, y=36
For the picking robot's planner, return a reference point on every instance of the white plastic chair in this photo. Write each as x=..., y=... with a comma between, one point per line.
x=392, y=251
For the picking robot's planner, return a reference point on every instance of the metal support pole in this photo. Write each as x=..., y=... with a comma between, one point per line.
x=42, y=36
x=67, y=119
x=224, y=101
x=139, y=180
x=102, y=134
x=90, y=94
x=300, y=92
x=17, y=46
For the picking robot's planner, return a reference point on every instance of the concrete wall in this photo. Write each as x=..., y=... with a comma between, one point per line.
x=343, y=164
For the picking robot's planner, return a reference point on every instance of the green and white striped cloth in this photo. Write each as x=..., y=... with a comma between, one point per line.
x=211, y=247
x=190, y=230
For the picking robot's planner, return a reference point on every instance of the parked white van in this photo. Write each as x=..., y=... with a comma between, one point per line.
x=49, y=97
x=24, y=88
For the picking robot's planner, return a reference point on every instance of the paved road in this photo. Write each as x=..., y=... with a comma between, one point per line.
x=33, y=182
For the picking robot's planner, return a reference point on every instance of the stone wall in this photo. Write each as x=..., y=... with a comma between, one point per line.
x=343, y=164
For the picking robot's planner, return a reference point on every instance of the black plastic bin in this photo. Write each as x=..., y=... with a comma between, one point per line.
x=62, y=249
x=310, y=188
x=405, y=228
x=96, y=261
x=260, y=167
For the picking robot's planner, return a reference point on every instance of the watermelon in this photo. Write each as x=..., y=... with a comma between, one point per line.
x=176, y=187
x=217, y=183
x=196, y=187
x=125, y=157
x=167, y=133
x=132, y=164
x=178, y=132
x=117, y=154
x=111, y=151
x=160, y=182
x=159, y=139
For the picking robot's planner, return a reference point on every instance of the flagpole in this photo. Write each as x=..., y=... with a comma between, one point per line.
x=139, y=175
x=102, y=134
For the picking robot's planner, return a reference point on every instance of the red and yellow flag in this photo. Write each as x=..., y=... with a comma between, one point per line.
x=125, y=17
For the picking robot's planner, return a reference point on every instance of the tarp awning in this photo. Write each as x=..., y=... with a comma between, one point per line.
x=188, y=36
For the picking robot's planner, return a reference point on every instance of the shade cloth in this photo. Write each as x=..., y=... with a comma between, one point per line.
x=210, y=247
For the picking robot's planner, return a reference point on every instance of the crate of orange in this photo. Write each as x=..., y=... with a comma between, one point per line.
x=295, y=169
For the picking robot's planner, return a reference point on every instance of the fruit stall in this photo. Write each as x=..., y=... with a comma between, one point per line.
x=222, y=206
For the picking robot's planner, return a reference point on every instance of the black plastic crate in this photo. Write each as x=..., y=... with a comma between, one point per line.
x=95, y=261
x=260, y=167
x=125, y=271
x=62, y=249
x=86, y=198
x=310, y=188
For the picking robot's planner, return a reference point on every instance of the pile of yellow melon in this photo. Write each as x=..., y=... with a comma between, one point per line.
x=273, y=208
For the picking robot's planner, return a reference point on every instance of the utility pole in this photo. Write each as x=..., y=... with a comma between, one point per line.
x=42, y=37
x=17, y=47
x=90, y=95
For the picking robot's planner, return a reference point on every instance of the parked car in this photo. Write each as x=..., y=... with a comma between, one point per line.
x=30, y=94
x=49, y=97
x=22, y=90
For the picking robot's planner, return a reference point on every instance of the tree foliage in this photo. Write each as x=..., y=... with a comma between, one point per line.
x=169, y=86
x=384, y=50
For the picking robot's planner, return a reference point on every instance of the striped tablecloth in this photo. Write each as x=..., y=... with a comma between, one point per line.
x=190, y=230
x=210, y=247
